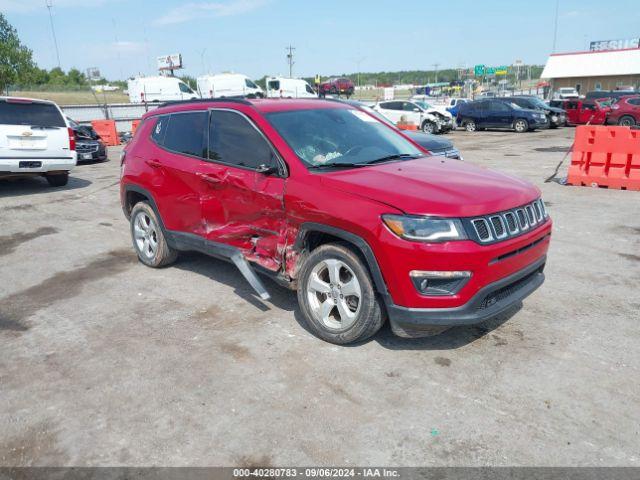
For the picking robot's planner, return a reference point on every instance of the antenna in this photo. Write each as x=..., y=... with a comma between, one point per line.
x=49, y=5
x=290, y=49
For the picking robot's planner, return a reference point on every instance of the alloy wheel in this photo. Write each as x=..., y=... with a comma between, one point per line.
x=145, y=235
x=334, y=294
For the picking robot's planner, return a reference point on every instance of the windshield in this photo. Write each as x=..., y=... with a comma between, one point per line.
x=424, y=105
x=537, y=102
x=339, y=136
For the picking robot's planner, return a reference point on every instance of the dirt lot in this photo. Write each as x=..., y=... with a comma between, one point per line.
x=106, y=362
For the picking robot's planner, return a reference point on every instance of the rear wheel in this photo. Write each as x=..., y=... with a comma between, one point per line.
x=627, y=121
x=521, y=125
x=58, y=180
x=336, y=295
x=148, y=238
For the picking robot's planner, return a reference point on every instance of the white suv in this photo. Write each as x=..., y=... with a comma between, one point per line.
x=425, y=117
x=35, y=139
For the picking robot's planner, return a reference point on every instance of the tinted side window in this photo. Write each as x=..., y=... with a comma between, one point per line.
x=409, y=107
x=274, y=85
x=499, y=107
x=634, y=101
x=233, y=140
x=186, y=133
x=308, y=88
x=45, y=114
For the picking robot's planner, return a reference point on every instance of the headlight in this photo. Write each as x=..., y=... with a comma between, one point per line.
x=425, y=229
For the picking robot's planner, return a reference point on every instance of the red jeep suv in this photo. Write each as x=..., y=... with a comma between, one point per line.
x=329, y=201
x=625, y=111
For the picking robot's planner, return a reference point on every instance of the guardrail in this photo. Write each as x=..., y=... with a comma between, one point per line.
x=122, y=113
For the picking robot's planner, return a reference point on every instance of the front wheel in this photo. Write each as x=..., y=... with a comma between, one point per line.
x=337, y=297
x=429, y=127
x=58, y=180
x=521, y=125
x=470, y=126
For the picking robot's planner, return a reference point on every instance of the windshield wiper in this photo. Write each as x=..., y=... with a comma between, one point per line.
x=335, y=165
x=46, y=127
x=396, y=156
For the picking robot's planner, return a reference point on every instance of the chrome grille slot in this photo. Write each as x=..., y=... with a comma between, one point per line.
x=536, y=207
x=482, y=229
x=512, y=222
x=498, y=226
x=530, y=216
x=522, y=219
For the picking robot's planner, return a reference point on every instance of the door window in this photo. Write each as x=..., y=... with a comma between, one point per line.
x=391, y=105
x=235, y=141
x=499, y=107
x=409, y=107
x=184, y=88
x=186, y=133
x=308, y=88
x=249, y=83
x=634, y=101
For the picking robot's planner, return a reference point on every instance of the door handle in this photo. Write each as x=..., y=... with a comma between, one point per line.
x=153, y=163
x=212, y=179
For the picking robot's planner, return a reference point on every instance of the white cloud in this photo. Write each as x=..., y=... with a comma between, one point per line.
x=190, y=11
x=26, y=6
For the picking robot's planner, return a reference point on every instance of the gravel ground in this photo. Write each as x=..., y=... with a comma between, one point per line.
x=106, y=362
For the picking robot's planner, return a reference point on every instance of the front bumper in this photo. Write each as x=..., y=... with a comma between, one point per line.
x=487, y=303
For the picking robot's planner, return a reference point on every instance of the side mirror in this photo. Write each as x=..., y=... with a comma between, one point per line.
x=266, y=169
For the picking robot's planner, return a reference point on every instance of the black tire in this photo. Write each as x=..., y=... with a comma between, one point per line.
x=520, y=125
x=470, y=125
x=370, y=314
x=58, y=180
x=429, y=127
x=627, y=121
x=163, y=255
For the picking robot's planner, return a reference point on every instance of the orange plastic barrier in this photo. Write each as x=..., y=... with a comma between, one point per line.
x=407, y=126
x=606, y=157
x=107, y=131
x=134, y=126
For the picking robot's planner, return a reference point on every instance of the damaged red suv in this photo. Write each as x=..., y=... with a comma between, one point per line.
x=329, y=201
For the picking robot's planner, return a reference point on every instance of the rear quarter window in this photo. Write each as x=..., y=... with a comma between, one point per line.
x=41, y=114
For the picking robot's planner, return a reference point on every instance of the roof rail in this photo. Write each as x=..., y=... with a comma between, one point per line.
x=241, y=100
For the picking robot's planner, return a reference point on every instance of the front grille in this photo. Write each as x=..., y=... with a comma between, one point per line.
x=510, y=223
x=87, y=147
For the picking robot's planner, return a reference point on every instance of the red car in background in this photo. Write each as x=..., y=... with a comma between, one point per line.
x=581, y=112
x=337, y=86
x=625, y=112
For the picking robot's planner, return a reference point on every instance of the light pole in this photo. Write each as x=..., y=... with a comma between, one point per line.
x=49, y=4
x=290, y=49
x=555, y=29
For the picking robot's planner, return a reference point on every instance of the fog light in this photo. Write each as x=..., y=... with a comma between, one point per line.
x=439, y=283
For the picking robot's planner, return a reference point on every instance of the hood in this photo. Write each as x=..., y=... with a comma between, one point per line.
x=435, y=186
x=431, y=142
x=555, y=110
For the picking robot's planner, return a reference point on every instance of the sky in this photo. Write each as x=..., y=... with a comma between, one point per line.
x=123, y=37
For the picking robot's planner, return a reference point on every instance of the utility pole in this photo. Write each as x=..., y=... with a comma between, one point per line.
x=555, y=29
x=290, y=49
x=49, y=4
x=436, y=65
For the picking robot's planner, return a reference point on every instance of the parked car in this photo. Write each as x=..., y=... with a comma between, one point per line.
x=581, y=112
x=158, y=89
x=89, y=147
x=566, y=93
x=227, y=85
x=435, y=145
x=281, y=87
x=35, y=140
x=333, y=203
x=498, y=113
x=426, y=119
x=337, y=86
x=607, y=94
x=625, y=111
x=556, y=117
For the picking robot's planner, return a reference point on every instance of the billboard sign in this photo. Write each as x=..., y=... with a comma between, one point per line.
x=602, y=45
x=170, y=62
x=481, y=70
